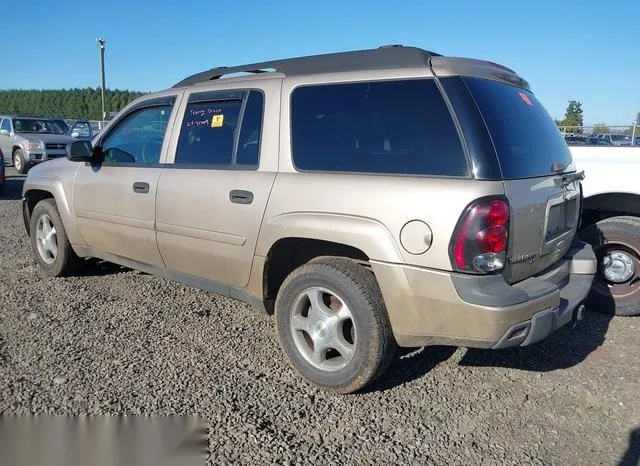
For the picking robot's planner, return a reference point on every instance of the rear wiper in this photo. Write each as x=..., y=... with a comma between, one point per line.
x=569, y=178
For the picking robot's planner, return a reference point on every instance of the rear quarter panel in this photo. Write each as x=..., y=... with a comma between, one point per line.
x=369, y=211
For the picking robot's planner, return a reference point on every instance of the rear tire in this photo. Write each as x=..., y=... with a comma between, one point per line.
x=616, y=286
x=19, y=162
x=49, y=241
x=344, y=341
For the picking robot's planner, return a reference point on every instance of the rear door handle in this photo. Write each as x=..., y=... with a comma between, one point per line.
x=140, y=187
x=238, y=196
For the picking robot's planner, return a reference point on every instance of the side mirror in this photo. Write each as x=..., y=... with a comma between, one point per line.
x=4, y=132
x=80, y=151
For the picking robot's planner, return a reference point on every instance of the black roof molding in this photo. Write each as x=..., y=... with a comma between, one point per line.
x=385, y=57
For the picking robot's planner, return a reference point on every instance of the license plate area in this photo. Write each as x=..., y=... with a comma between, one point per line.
x=561, y=219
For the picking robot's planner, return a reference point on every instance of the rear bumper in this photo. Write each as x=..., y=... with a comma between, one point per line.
x=428, y=307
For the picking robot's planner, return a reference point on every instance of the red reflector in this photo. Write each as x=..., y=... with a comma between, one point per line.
x=458, y=252
x=493, y=239
x=517, y=333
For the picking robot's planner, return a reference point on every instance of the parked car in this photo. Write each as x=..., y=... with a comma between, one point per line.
x=596, y=141
x=575, y=140
x=611, y=224
x=617, y=139
x=370, y=199
x=2, y=172
x=83, y=130
x=31, y=140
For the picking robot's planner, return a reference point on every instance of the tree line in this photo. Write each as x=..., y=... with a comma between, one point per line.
x=574, y=120
x=65, y=103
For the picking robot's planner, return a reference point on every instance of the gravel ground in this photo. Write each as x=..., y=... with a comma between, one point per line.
x=118, y=341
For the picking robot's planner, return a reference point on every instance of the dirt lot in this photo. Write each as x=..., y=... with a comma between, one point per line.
x=118, y=341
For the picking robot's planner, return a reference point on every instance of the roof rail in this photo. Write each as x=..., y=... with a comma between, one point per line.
x=29, y=115
x=384, y=57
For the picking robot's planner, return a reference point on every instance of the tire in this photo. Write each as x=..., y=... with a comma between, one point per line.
x=345, y=288
x=20, y=164
x=64, y=261
x=616, y=241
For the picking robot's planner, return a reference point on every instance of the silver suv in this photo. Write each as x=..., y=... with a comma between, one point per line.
x=29, y=140
x=370, y=199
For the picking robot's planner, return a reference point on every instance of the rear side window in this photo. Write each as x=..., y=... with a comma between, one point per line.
x=210, y=130
x=395, y=127
x=6, y=125
x=527, y=140
x=208, y=133
x=251, y=131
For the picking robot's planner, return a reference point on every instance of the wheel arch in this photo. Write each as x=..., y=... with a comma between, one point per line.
x=291, y=240
x=35, y=191
x=610, y=204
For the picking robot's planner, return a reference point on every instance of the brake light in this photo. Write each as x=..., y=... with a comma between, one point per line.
x=481, y=238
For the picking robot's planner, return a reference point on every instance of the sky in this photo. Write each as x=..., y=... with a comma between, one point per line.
x=565, y=50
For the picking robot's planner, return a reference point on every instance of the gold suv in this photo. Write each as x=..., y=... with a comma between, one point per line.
x=369, y=199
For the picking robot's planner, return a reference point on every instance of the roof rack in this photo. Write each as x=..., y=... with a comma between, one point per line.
x=28, y=115
x=384, y=57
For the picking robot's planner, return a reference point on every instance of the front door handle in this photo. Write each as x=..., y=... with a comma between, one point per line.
x=239, y=196
x=140, y=187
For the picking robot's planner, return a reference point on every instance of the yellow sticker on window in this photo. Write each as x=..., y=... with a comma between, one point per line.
x=217, y=121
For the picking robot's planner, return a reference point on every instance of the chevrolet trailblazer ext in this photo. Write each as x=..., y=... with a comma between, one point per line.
x=370, y=199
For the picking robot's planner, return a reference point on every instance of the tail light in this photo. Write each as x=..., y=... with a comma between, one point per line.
x=479, y=243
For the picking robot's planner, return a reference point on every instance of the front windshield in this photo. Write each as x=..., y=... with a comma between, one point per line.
x=62, y=125
x=33, y=125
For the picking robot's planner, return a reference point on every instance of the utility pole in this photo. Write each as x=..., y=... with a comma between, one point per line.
x=101, y=42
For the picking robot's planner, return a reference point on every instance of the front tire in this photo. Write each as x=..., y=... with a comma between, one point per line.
x=19, y=162
x=616, y=286
x=333, y=325
x=49, y=241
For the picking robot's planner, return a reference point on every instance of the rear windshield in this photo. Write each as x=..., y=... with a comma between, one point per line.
x=526, y=138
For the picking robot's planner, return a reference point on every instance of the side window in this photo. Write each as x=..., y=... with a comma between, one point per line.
x=208, y=133
x=6, y=125
x=138, y=138
x=401, y=126
x=82, y=128
x=251, y=130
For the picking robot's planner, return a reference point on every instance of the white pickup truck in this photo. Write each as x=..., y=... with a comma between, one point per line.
x=611, y=224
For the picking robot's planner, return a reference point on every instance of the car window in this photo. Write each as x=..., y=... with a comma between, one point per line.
x=33, y=125
x=61, y=125
x=527, y=140
x=138, y=138
x=82, y=128
x=401, y=126
x=251, y=130
x=6, y=125
x=207, y=134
